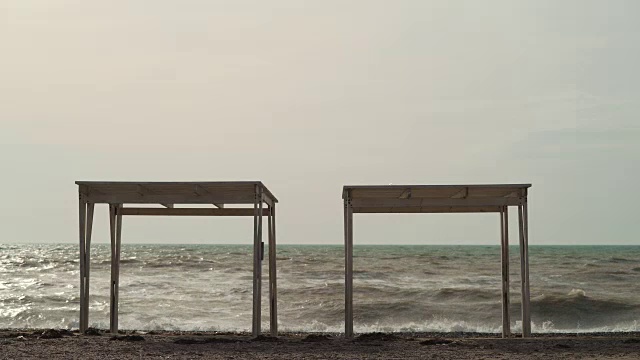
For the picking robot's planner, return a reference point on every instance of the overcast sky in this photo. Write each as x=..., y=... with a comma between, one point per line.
x=310, y=95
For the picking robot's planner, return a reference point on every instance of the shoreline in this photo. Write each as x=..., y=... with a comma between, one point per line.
x=131, y=344
x=5, y=332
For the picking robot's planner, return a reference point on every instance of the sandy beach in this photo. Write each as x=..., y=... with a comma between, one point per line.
x=63, y=344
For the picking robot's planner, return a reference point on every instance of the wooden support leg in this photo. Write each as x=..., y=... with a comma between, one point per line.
x=257, y=262
x=260, y=258
x=527, y=319
x=82, y=222
x=504, y=222
x=348, y=264
x=116, y=237
x=273, y=277
x=524, y=270
x=87, y=262
x=118, y=252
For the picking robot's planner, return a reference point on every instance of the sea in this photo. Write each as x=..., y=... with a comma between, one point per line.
x=396, y=288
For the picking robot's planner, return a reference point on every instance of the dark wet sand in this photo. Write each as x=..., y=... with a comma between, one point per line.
x=61, y=344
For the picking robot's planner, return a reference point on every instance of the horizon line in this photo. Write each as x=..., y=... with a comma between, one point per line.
x=289, y=244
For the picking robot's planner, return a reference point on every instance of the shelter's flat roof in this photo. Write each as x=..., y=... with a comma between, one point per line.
x=175, y=192
x=434, y=198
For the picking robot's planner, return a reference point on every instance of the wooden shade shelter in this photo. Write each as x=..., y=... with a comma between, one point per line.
x=444, y=199
x=168, y=194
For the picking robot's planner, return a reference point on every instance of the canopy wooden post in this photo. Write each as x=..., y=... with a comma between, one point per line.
x=526, y=245
x=260, y=259
x=413, y=199
x=83, y=222
x=524, y=268
x=112, y=294
x=87, y=263
x=273, y=291
x=115, y=217
x=504, y=225
x=348, y=264
x=257, y=262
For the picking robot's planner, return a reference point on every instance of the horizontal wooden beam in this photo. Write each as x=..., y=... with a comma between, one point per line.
x=426, y=210
x=436, y=202
x=137, y=211
x=167, y=205
x=134, y=198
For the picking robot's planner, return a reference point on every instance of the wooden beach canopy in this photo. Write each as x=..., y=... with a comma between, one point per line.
x=443, y=199
x=168, y=194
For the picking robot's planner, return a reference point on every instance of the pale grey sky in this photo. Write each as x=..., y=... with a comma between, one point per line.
x=310, y=95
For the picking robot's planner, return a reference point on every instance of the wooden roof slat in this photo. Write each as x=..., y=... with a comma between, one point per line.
x=435, y=193
x=122, y=183
x=367, y=193
x=492, y=192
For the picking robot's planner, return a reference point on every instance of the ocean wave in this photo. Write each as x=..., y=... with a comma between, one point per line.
x=576, y=309
x=130, y=261
x=463, y=294
x=622, y=260
x=209, y=287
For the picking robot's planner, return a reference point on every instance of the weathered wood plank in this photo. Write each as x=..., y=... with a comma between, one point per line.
x=138, y=211
x=82, y=216
x=115, y=222
x=526, y=321
x=118, y=252
x=112, y=282
x=87, y=261
x=504, y=246
x=135, y=198
x=257, y=263
x=425, y=202
x=273, y=276
x=348, y=244
x=524, y=271
x=429, y=210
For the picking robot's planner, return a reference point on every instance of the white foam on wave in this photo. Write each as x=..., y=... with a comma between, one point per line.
x=577, y=293
x=59, y=315
x=446, y=325
x=439, y=325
